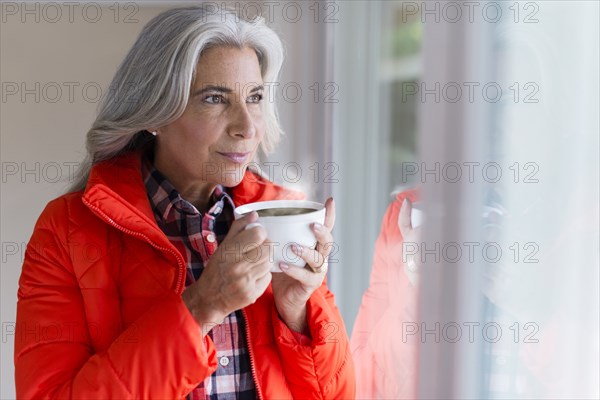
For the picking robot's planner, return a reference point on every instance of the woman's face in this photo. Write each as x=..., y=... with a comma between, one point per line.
x=219, y=133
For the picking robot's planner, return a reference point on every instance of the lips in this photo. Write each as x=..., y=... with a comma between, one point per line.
x=238, y=158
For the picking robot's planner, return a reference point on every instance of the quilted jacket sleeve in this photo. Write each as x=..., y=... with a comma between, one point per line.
x=328, y=356
x=54, y=357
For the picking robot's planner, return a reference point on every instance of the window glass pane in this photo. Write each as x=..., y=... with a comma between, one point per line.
x=400, y=70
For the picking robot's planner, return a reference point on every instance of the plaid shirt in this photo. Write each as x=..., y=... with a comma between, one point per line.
x=197, y=236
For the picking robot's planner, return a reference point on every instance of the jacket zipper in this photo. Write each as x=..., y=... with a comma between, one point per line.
x=180, y=281
x=110, y=221
x=251, y=354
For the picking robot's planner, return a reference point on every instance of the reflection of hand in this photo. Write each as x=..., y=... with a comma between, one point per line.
x=502, y=281
x=410, y=236
x=294, y=286
x=234, y=277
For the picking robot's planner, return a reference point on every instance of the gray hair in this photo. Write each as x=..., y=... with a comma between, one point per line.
x=152, y=85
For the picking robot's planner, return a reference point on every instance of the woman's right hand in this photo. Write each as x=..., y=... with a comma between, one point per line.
x=234, y=277
x=411, y=237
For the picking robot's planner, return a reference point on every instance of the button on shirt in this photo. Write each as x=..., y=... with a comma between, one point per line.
x=196, y=236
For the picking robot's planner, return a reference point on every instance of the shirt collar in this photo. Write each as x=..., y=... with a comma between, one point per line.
x=164, y=198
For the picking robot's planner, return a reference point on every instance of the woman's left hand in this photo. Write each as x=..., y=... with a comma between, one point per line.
x=293, y=287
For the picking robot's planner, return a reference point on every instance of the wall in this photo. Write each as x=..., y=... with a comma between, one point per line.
x=55, y=62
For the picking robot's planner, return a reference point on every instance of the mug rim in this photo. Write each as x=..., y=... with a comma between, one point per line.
x=240, y=211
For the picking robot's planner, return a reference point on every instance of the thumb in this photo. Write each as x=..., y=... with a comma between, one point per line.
x=404, y=218
x=240, y=224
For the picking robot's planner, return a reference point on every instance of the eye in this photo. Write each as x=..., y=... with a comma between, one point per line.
x=214, y=99
x=255, y=98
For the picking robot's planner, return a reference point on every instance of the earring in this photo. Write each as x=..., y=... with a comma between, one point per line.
x=153, y=133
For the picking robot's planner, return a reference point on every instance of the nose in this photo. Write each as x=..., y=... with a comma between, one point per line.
x=241, y=124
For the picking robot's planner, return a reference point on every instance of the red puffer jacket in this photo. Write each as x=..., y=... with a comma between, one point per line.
x=100, y=314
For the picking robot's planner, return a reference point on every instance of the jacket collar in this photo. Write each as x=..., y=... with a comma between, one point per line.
x=115, y=192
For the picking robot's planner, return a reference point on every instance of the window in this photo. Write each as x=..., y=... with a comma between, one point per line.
x=504, y=118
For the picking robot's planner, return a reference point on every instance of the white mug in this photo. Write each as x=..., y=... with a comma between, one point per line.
x=285, y=230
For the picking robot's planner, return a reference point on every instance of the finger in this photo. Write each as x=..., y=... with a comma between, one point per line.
x=323, y=232
x=404, y=218
x=256, y=262
x=322, y=269
x=262, y=283
x=329, y=213
x=252, y=225
x=250, y=239
x=253, y=253
x=239, y=224
x=315, y=260
x=324, y=239
x=264, y=263
x=301, y=275
x=416, y=232
x=413, y=277
x=241, y=252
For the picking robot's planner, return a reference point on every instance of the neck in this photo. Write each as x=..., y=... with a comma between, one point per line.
x=196, y=192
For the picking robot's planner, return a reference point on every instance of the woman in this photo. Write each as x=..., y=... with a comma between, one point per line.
x=383, y=343
x=134, y=283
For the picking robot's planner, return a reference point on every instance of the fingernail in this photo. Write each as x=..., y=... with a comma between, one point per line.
x=317, y=226
x=297, y=249
x=284, y=266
